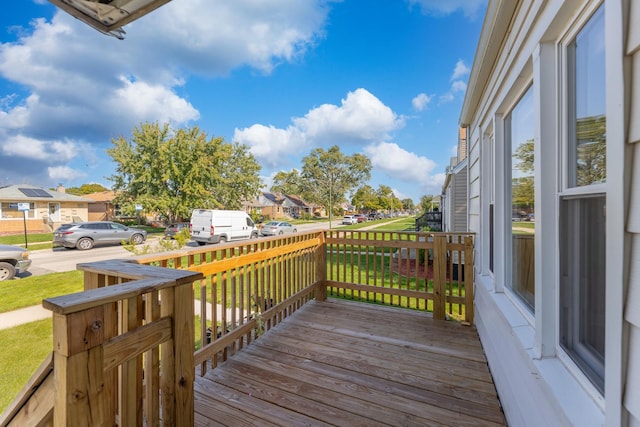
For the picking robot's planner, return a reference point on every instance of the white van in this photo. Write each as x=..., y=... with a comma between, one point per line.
x=213, y=226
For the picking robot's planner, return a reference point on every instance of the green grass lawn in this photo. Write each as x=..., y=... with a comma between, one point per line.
x=29, y=345
x=32, y=290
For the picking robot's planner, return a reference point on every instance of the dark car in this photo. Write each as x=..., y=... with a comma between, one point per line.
x=85, y=235
x=173, y=229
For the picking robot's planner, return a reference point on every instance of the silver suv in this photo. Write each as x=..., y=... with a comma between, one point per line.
x=84, y=235
x=13, y=260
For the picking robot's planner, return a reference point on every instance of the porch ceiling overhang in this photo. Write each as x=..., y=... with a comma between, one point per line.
x=108, y=16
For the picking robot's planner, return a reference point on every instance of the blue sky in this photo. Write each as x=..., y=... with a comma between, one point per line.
x=381, y=77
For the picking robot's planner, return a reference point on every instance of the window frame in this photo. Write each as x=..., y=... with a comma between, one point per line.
x=575, y=356
x=526, y=90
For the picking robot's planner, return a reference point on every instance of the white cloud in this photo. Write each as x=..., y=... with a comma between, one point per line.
x=34, y=149
x=148, y=102
x=82, y=86
x=469, y=8
x=458, y=86
x=460, y=70
x=361, y=118
x=271, y=145
x=65, y=173
x=398, y=163
x=447, y=97
x=421, y=101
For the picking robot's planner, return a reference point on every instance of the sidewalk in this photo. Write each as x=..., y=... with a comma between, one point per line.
x=37, y=312
x=23, y=315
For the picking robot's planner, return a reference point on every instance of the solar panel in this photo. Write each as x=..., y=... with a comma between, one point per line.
x=34, y=192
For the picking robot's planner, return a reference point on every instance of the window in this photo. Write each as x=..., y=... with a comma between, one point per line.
x=520, y=137
x=587, y=135
x=10, y=210
x=582, y=290
x=583, y=204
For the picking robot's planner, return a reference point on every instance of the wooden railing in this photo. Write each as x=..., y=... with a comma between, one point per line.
x=424, y=271
x=122, y=355
x=173, y=314
x=247, y=288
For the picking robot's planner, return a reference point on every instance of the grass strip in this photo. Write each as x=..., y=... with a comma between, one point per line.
x=26, y=347
x=29, y=291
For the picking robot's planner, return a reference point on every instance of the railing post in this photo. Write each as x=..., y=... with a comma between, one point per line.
x=469, y=279
x=439, y=276
x=78, y=368
x=321, y=268
x=184, y=343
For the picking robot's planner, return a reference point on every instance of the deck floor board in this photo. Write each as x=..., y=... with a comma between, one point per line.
x=353, y=364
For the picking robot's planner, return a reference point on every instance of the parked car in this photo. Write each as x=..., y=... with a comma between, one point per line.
x=13, y=260
x=349, y=219
x=85, y=235
x=221, y=226
x=360, y=217
x=173, y=229
x=276, y=228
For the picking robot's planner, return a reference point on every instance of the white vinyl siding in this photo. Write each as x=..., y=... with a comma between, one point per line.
x=632, y=307
x=459, y=185
x=522, y=44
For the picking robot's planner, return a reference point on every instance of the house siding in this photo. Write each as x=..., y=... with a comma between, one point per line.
x=632, y=308
x=520, y=46
x=460, y=196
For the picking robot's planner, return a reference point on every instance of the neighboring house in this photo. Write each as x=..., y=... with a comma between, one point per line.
x=454, y=190
x=103, y=208
x=454, y=197
x=47, y=208
x=300, y=207
x=270, y=205
x=559, y=319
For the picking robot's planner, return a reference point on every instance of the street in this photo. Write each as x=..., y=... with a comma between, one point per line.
x=47, y=261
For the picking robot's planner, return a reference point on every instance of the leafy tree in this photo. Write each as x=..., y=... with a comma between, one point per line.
x=365, y=197
x=329, y=175
x=522, y=191
x=387, y=199
x=426, y=203
x=86, y=189
x=524, y=153
x=172, y=172
x=408, y=204
x=591, y=150
x=288, y=183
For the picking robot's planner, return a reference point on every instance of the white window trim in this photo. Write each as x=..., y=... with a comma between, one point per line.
x=565, y=191
x=487, y=197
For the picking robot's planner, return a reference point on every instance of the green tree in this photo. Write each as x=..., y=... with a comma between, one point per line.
x=86, y=189
x=172, y=172
x=329, y=175
x=408, y=204
x=365, y=197
x=522, y=190
x=387, y=199
x=288, y=183
x=426, y=203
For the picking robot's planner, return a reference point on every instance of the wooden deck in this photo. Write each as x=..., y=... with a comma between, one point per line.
x=353, y=364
